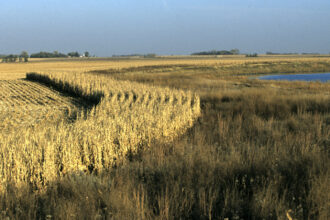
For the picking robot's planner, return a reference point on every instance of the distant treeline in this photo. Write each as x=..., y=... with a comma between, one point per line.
x=24, y=56
x=272, y=53
x=12, y=58
x=252, y=55
x=149, y=55
x=56, y=54
x=310, y=53
x=218, y=52
x=43, y=54
x=128, y=55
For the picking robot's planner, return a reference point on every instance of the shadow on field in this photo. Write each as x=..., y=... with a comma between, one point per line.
x=85, y=103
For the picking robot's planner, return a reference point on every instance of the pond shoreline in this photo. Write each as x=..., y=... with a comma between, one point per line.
x=309, y=77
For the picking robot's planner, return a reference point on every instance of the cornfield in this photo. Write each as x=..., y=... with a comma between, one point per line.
x=106, y=123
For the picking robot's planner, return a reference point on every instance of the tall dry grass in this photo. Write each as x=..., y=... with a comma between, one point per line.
x=250, y=156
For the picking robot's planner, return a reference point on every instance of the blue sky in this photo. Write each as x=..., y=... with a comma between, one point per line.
x=107, y=27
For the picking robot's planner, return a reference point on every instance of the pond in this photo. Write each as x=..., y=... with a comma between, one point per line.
x=322, y=77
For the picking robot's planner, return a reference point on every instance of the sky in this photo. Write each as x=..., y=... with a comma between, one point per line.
x=116, y=27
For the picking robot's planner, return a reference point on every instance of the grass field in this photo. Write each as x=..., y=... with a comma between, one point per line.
x=164, y=139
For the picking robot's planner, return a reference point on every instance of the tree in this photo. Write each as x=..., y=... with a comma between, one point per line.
x=235, y=51
x=74, y=54
x=252, y=55
x=218, y=52
x=86, y=54
x=24, y=55
x=150, y=55
x=11, y=58
x=47, y=55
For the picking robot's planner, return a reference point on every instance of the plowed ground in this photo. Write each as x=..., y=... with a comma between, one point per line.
x=24, y=103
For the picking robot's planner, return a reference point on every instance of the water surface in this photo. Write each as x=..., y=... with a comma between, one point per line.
x=322, y=77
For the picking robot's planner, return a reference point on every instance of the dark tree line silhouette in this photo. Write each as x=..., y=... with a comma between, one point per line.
x=218, y=52
x=23, y=57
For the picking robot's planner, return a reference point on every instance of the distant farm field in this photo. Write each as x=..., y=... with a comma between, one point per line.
x=18, y=70
x=164, y=138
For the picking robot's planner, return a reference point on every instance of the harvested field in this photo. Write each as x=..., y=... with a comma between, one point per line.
x=24, y=103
